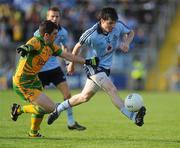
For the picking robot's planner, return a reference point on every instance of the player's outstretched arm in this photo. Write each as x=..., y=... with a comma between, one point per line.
x=70, y=66
x=94, y=61
x=73, y=58
x=127, y=38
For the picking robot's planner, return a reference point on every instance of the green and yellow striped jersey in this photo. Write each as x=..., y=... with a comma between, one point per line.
x=31, y=64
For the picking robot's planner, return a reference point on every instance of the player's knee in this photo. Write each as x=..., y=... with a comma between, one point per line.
x=50, y=110
x=42, y=111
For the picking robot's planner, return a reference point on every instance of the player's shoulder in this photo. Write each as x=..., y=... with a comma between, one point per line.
x=91, y=30
x=34, y=42
x=89, y=33
x=121, y=24
x=63, y=30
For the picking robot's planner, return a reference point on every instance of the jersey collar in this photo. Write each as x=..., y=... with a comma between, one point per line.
x=39, y=37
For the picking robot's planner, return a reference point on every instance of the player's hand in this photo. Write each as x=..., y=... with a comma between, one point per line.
x=94, y=62
x=70, y=68
x=23, y=50
x=124, y=46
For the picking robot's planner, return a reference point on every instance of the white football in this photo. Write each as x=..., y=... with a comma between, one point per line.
x=133, y=102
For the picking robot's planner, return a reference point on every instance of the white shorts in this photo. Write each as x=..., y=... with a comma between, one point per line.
x=96, y=81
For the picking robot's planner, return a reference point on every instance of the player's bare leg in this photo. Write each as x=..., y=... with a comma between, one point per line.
x=72, y=124
x=45, y=102
x=38, y=107
x=86, y=94
x=105, y=83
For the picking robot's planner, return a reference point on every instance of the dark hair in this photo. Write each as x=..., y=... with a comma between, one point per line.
x=54, y=8
x=108, y=13
x=47, y=27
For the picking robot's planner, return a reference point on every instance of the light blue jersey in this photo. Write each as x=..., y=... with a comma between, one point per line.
x=61, y=38
x=103, y=45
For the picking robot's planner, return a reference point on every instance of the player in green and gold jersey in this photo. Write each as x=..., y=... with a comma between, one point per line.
x=34, y=54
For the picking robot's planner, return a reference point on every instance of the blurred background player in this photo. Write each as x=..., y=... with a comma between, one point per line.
x=103, y=38
x=52, y=72
x=34, y=54
x=138, y=74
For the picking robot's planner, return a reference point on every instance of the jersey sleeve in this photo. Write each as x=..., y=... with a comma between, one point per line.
x=65, y=40
x=122, y=28
x=62, y=37
x=85, y=39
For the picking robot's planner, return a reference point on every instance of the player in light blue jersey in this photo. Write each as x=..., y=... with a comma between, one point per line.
x=102, y=39
x=52, y=72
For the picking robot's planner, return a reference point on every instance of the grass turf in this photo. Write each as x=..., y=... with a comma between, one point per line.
x=106, y=126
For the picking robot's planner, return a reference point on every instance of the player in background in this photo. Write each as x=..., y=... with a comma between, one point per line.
x=52, y=72
x=34, y=54
x=103, y=38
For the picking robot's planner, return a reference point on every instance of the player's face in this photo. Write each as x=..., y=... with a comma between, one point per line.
x=49, y=38
x=53, y=16
x=107, y=25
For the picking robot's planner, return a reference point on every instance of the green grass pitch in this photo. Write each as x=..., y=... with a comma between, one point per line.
x=106, y=126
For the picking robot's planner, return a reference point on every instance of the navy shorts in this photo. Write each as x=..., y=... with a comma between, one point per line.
x=92, y=71
x=55, y=76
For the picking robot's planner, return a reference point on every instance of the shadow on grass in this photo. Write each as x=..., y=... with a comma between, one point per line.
x=90, y=138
